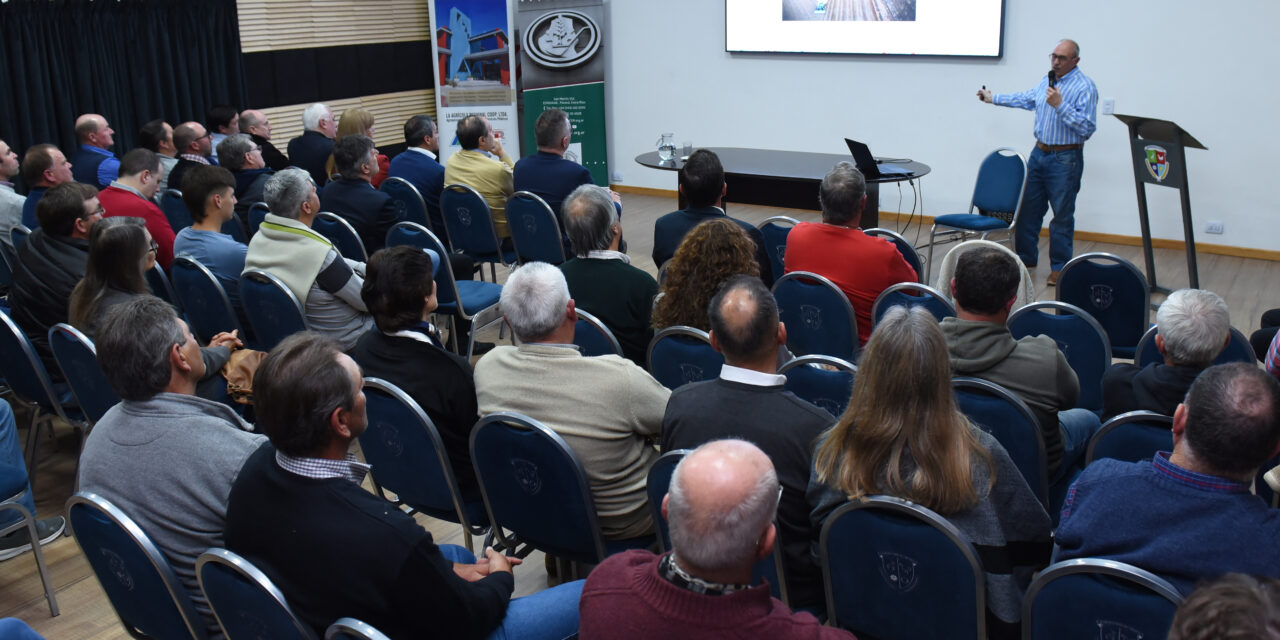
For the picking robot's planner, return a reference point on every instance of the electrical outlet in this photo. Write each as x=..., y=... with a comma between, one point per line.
x=1108, y=106
x=1213, y=226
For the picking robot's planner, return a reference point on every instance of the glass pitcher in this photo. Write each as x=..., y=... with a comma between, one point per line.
x=667, y=147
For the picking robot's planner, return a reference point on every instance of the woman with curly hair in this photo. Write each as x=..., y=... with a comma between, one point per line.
x=710, y=253
x=359, y=122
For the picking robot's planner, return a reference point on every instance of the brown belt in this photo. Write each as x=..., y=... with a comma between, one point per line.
x=1054, y=148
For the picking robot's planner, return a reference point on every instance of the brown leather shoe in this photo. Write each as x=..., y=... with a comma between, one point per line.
x=1053, y=279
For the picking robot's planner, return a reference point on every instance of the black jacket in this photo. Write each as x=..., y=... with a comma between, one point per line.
x=311, y=151
x=48, y=269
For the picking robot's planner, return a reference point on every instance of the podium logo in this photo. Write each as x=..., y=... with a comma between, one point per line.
x=562, y=39
x=1157, y=162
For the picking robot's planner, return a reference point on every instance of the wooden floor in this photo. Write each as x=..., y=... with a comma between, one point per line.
x=1246, y=284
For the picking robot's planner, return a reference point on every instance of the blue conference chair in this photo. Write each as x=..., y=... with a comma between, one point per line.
x=473, y=300
x=1237, y=349
x=245, y=601
x=1080, y=338
x=812, y=381
x=18, y=235
x=911, y=295
x=908, y=252
x=997, y=197
x=7, y=258
x=894, y=569
x=78, y=359
x=140, y=583
x=409, y=460
x=819, y=317
x=209, y=309
x=341, y=234
x=257, y=213
x=234, y=227
x=273, y=311
x=13, y=488
x=680, y=355
x=175, y=210
x=1005, y=416
x=535, y=229
x=1093, y=598
x=471, y=228
x=1114, y=292
x=593, y=337
x=409, y=203
x=24, y=372
x=158, y=283
x=1131, y=437
x=352, y=629
x=774, y=232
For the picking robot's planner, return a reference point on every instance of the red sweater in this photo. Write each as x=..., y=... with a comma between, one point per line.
x=120, y=202
x=625, y=598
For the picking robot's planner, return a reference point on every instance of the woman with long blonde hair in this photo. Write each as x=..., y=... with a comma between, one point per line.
x=710, y=253
x=359, y=122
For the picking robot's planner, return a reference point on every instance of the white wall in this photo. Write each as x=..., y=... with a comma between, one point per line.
x=1216, y=75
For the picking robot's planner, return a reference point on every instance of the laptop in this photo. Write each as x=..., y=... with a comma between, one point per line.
x=869, y=166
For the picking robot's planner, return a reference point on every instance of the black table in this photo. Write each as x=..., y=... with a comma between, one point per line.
x=788, y=179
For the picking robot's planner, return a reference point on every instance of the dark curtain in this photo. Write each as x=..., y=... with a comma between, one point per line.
x=130, y=60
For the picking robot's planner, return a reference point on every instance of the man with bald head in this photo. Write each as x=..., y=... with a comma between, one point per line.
x=94, y=163
x=194, y=144
x=258, y=126
x=749, y=400
x=43, y=167
x=720, y=508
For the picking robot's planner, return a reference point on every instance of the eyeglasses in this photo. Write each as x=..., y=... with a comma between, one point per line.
x=97, y=212
x=155, y=246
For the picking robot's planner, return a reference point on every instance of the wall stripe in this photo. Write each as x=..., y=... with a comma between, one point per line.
x=390, y=110
x=274, y=25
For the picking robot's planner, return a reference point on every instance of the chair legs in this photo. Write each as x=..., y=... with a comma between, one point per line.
x=29, y=521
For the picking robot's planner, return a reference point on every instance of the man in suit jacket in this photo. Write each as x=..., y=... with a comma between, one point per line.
x=547, y=174
x=351, y=196
x=311, y=150
x=240, y=155
x=420, y=165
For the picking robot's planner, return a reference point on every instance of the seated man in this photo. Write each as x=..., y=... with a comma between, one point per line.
x=720, y=508
x=749, y=401
x=601, y=278
x=312, y=149
x=421, y=167
x=43, y=167
x=258, y=126
x=1194, y=328
x=837, y=249
x=94, y=163
x=980, y=345
x=222, y=120
x=131, y=196
x=298, y=512
x=1189, y=515
x=10, y=202
x=210, y=198
x=191, y=140
x=327, y=284
x=470, y=166
x=165, y=456
x=703, y=187
x=351, y=196
x=606, y=408
x=13, y=473
x=157, y=136
x=243, y=157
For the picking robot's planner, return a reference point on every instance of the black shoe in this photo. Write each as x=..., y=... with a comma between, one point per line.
x=19, y=542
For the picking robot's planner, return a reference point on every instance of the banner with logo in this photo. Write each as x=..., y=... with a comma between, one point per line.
x=562, y=67
x=474, y=61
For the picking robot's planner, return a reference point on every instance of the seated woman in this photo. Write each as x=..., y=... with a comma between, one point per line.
x=903, y=436
x=710, y=253
x=359, y=122
x=403, y=349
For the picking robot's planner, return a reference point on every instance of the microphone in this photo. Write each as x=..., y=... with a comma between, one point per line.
x=1053, y=78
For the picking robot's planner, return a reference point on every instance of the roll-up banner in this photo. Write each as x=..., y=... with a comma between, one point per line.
x=475, y=56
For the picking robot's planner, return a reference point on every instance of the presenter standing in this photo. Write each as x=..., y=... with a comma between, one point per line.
x=1066, y=106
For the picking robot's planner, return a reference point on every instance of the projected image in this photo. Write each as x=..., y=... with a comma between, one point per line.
x=850, y=10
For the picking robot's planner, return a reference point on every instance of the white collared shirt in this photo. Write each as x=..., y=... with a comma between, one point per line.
x=606, y=254
x=754, y=378
x=426, y=152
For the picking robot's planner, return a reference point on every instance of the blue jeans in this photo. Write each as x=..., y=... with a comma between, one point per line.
x=1053, y=179
x=13, y=469
x=1077, y=427
x=15, y=629
x=550, y=614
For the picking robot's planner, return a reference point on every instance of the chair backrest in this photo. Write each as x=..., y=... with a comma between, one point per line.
x=1093, y=598
x=23, y=371
x=893, y=569
x=656, y=486
x=7, y=259
x=416, y=235
x=244, y=600
x=774, y=232
x=257, y=213
x=352, y=629
x=468, y=221
x=158, y=283
x=408, y=201
x=680, y=355
x=535, y=487
x=140, y=584
x=904, y=247
x=175, y=210
x=1114, y=292
x=1131, y=437
x=273, y=310
x=829, y=388
x=820, y=318
x=911, y=295
x=593, y=338
x=1237, y=349
x=78, y=359
x=209, y=310
x=1002, y=178
x=535, y=229
x=341, y=234
x=1080, y=338
x=1005, y=416
x=234, y=227
x=18, y=235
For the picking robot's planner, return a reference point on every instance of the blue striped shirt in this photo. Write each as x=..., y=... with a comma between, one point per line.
x=1072, y=122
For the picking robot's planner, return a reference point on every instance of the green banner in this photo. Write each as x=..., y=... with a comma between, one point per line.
x=585, y=105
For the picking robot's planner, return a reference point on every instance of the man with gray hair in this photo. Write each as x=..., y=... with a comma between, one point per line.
x=720, y=508
x=601, y=278
x=1195, y=326
x=838, y=250
x=371, y=212
x=243, y=157
x=311, y=150
x=163, y=455
x=285, y=246
x=605, y=407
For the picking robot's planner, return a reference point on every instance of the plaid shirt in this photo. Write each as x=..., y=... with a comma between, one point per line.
x=1273, y=357
x=1199, y=480
x=321, y=468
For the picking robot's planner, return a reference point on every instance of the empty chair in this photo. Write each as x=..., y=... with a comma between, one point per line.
x=1092, y=598
x=910, y=294
x=680, y=355
x=234, y=227
x=209, y=310
x=1236, y=350
x=352, y=629
x=908, y=252
x=78, y=360
x=18, y=235
x=1132, y=437
x=175, y=210
x=257, y=213
x=535, y=229
x=470, y=225
x=1080, y=338
x=997, y=197
x=27, y=379
x=819, y=318
x=1114, y=292
x=158, y=283
x=244, y=599
x=409, y=203
x=593, y=338
x=341, y=234
x=821, y=380
x=999, y=412
x=773, y=232
x=140, y=584
x=273, y=310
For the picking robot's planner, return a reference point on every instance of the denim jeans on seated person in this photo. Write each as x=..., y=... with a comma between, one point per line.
x=550, y=614
x=1078, y=427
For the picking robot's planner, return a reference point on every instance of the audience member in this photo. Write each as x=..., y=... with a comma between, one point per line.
x=711, y=253
x=1272, y=361
x=903, y=436
x=131, y=196
x=222, y=120
x=838, y=250
x=157, y=136
x=94, y=164
x=750, y=401
x=703, y=187
x=258, y=126
x=239, y=154
x=470, y=166
x=600, y=276
x=10, y=202
x=1188, y=515
x=311, y=149
x=1194, y=328
x=193, y=143
x=980, y=345
x=298, y=512
x=371, y=212
x=547, y=173
x=13, y=470
x=720, y=507
x=421, y=167
x=121, y=251
x=358, y=122
x=43, y=167
x=606, y=408
x=327, y=284
x=164, y=456
x=210, y=199
x=1233, y=607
